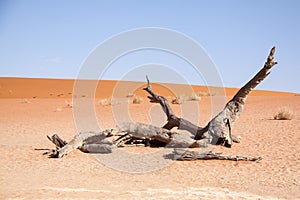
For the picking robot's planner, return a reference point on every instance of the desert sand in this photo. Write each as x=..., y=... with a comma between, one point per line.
x=34, y=108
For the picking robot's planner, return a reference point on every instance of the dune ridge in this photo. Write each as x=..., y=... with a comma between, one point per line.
x=63, y=88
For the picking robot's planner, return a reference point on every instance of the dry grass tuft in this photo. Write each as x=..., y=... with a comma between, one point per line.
x=108, y=102
x=202, y=94
x=129, y=95
x=178, y=100
x=58, y=109
x=137, y=99
x=194, y=97
x=25, y=101
x=69, y=104
x=284, y=114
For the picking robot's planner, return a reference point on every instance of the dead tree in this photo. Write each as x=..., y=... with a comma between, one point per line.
x=217, y=131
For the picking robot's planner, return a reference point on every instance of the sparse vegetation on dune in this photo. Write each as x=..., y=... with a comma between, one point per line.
x=108, y=101
x=58, y=109
x=194, y=97
x=284, y=113
x=25, y=101
x=129, y=95
x=137, y=99
x=201, y=94
x=69, y=104
x=178, y=100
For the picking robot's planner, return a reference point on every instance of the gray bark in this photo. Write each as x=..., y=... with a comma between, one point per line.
x=92, y=142
x=181, y=154
x=219, y=128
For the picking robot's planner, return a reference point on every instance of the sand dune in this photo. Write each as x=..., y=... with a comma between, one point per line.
x=63, y=88
x=33, y=108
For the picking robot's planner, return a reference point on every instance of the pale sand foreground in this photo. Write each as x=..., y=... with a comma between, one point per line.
x=25, y=173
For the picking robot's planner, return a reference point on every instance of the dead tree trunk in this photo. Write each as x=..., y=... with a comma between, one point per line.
x=150, y=132
x=219, y=128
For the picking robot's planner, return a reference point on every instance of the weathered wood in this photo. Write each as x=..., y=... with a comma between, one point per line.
x=55, y=139
x=97, y=148
x=180, y=123
x=140, y=130
x=219, y=128
x=173, y=120
x=183, y=155
x=92, y=142
x=150, y=132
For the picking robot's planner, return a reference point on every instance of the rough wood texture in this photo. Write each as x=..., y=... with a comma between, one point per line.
x=55, y=139
x=92, y=142
x=150, y=132
x=219, y=128
x=173, y=120
x=181, y=154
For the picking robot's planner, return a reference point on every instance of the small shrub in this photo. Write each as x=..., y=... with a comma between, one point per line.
x=69, y=104
x=58, y=109
x=284, y=114
x=25, y=101
x=108, y=102
x=129, y=95
x=201, y=94
x=137, y=99
x=194, y=97
x=178, y=100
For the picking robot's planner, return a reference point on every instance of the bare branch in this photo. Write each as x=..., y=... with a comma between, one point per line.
x=242, y=94
x=181, y=154
x=219, y=127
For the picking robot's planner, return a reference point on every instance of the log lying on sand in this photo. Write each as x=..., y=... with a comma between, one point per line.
x=181, y=154
x=98, y=142
x=150, y=132
x=88, y=142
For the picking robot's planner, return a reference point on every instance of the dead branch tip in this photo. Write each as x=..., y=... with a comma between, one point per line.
x=148, y=84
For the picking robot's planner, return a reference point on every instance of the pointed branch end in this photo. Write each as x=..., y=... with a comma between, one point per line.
x=270, y=62
x=272, y=52
x=148, y=84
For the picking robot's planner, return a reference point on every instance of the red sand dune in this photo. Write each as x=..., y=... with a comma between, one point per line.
x=30, y=109
x=63, y=88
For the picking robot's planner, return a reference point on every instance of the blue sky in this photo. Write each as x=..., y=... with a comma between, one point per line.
x=53, y=38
